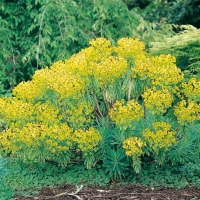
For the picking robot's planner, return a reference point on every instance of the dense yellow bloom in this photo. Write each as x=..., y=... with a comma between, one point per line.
x=161, y=137
x=186, y=113
x=87, y=140
x=100, y=43
x=98, y=63
x=133, y=146
x=191, y=89
x=47, y=113
x=40, y=77
x=67, y=84
x=109, y=69
x=59, y=79
x=157, y=101
x=28, y=90
x=123, y=114
x=161, y=70
x=79, y=64
x=13, y=109
x=17, y=112
x=129, y=47
x=37, y=135
x=8, y=142
x=79, y=114
x=100, y=48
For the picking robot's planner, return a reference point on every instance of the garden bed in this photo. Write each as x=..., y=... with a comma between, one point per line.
x=114, y=192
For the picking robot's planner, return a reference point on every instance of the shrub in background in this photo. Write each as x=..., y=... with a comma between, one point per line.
x=109, y=104
x=185, y=46
x=173, y=12
x=35, y=34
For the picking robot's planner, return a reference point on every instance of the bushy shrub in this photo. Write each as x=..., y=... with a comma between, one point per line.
x=112, y=104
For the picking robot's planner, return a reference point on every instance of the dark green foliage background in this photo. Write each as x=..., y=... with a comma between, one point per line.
x=34, y=34
x=169, y=11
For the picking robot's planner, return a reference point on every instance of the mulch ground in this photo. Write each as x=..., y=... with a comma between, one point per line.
x=114, y=192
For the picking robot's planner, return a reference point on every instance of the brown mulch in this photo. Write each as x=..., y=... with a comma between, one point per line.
x=114, y=192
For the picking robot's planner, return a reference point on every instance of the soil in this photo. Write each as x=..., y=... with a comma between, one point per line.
x=114, y=192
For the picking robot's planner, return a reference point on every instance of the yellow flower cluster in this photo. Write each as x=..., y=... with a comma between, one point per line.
x=34, y=89
x=157, y=101
x=161, y=137
x=123, y=114
x=58, y=78
x=129, y=47
x=186, y=113
x=61, y=80
x=100, y=48
x=87, y=140
x=59, y=138
x=79, y=114
x=13, y=109
x=16, y=112
x=100, y=43
x=47, y=113
x=28, y=90
x=191, y=89
x=79, y=63
x=8, y=143
x=40, y=78
x=161, y=70
x=109, y=69
x=133, y=146
x=56, y=138
x=96, y=61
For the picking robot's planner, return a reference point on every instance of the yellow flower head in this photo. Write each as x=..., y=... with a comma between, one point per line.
x=160, y=70
x=160, y=137
x=36, y=135
x=13, y=109
x=133, y=146
x=157, y=101
x=100, y=43
x=28, y=90
x=79, y=114
x=187, y=113
x=123, y=114
x=59, y=79
x=109, y=69
x=87, y=140
x=191, y=89
x=129, y=47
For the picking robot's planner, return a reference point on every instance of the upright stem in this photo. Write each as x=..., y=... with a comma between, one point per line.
x=97, y=104
x=129, y=89
x=107, y=106
x=145, y=112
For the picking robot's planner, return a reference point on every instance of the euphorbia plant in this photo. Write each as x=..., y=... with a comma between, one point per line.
x=102, y=99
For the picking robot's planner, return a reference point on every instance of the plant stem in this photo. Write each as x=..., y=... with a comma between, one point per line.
x=129, y=89
x=145, y=112
x=97, y=104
